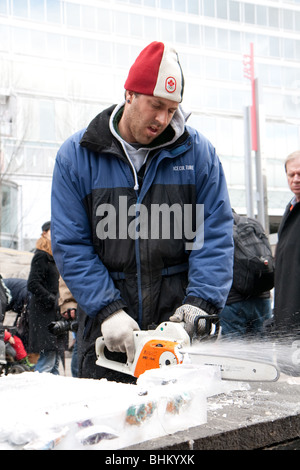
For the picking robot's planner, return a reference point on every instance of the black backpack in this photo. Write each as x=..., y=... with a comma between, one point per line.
x=253, y=270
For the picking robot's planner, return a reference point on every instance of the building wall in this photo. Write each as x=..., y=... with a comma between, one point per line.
x=62, y=62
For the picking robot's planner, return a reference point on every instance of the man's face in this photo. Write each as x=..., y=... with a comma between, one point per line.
x=293, y=176
x=145, y=118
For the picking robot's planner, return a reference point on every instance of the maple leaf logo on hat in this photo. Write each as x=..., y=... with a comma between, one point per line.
x=157, y=72
x=170, y=85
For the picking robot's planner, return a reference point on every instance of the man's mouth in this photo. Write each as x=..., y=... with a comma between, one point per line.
x=153, y=130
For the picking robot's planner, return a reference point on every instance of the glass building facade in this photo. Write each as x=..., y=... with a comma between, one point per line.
x=62, y=62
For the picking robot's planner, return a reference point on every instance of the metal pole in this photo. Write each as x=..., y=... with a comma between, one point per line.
x=259, y=175
x=248, y=163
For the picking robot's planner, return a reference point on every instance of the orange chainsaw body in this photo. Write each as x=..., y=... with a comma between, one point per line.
x=155, y=354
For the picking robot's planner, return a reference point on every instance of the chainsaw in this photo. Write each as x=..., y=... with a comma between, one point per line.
x=169, y=344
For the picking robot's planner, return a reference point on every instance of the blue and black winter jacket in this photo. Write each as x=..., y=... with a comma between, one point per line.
x=97, y=209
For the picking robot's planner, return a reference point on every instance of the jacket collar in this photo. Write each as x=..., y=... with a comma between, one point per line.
x=101, y=134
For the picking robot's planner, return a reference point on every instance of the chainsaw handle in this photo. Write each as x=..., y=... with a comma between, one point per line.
x=109, y=363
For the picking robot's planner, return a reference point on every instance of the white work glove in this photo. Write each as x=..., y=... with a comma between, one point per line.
x=117, y=331
x=189, y=315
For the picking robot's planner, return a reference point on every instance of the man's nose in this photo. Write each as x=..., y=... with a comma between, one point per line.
x=162, y=117
x=297, y=176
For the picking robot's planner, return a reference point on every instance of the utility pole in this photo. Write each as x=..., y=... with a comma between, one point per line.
x=254, y=124
x=248, y=162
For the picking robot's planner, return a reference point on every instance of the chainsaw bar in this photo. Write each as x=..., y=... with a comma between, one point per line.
x=234, y=368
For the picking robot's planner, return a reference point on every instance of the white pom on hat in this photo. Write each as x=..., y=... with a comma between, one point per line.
x=157, y=72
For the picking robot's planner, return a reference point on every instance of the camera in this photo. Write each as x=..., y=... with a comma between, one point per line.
x=61, y=326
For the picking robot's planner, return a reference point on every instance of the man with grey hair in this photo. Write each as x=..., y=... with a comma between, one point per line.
x=287, y=272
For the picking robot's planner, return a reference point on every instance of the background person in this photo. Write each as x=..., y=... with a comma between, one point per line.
x=43, y=286
x=287, y=271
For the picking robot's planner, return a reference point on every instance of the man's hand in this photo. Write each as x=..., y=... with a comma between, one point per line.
x=117, y=331
x=69, y=314
x=194, y=319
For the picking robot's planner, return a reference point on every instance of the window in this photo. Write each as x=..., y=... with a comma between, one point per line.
x=122, y=55
x=180, y=32
x=72, y=15
x=261, y=15
x=211, y=68
x=210, y=36
x=297, y=50
x=262, y=45
x=88, y=17
x=297, y=20
x=288, y=20
x=166, y=30
x=104, y=53
x=208, y=8
x=235, y=41
x=150, y=27
x=54, y=45
x=223, y=39
x=179, y=5
x=73, y=48
x=222, y=9
x=104, y=20
x=193, y=7
x=47, y=124
x=21, y=40
x=166, y=4
x=9, y=204
x=136, y=25
x=195, y=65
x=273, y=17
x=288, y=48
x=89, y=50
x=4, y=37
x=234, y=11
x=274, y=46
x=291, y=78
x=122, y=23
x=53, y=11
x=236, y=70
x=224, y=69
x=20, y=8
x=37, y=10
x=211, y=97
x=38, y=42
x=249, y=13
x=193, y=34
x=274, y=103
x=150, y=3
x=3, y=7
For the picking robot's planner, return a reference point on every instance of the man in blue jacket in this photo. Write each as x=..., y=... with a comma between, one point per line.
x=141, y=219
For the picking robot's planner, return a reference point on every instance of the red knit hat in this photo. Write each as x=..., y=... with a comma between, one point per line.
x=157, y=72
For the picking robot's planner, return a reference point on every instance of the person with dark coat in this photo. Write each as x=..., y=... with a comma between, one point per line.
x=287, y=257
x=19, y=303
x=134, y=161
x=43, y=286
x=19, y=293
x=287, y=270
